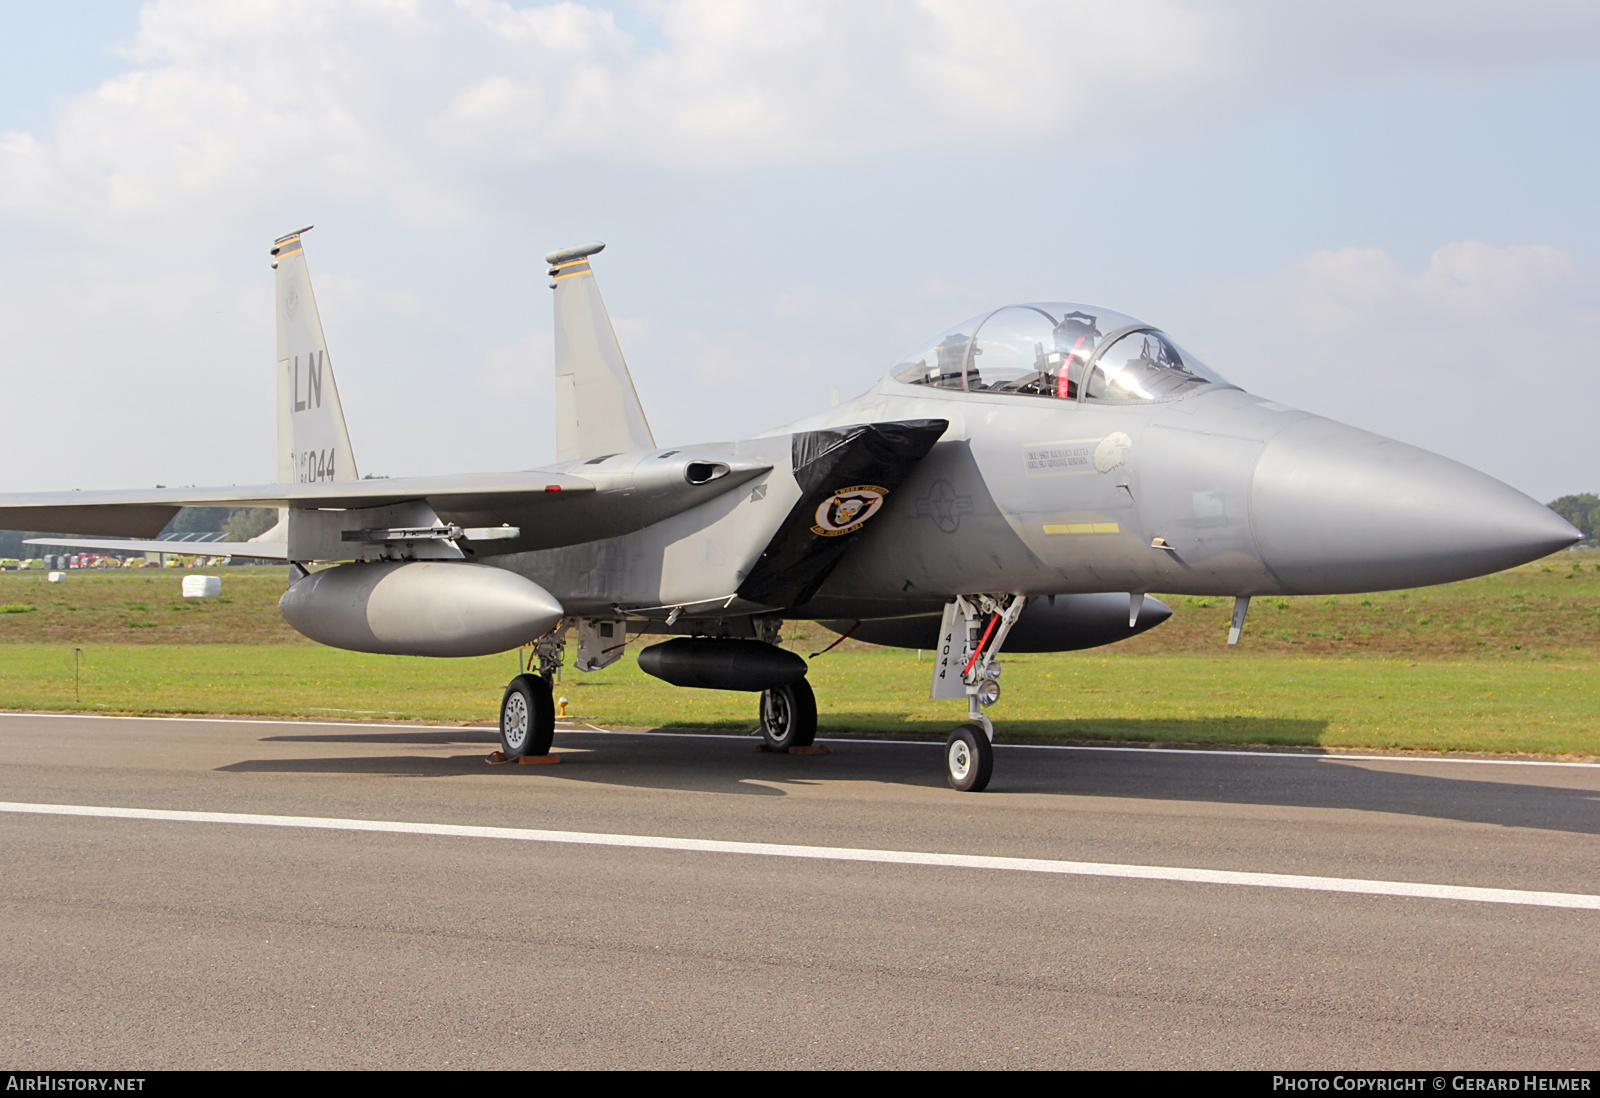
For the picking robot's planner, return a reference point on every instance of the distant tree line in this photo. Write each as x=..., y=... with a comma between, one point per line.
x=239, y=523
x=1583, y=511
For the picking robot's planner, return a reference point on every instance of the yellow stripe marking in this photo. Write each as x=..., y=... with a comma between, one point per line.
x=1082, y=528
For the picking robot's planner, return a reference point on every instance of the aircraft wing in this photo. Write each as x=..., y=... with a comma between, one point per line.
x=546, y=508
x=145, y=513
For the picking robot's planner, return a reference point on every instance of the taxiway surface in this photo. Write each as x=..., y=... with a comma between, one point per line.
x=222, y=934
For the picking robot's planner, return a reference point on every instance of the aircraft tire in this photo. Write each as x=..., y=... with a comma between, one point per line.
x=527, y=718
x=789, y=716
x=968, y=759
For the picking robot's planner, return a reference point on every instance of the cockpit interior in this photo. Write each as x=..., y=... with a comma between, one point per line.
x=1059, y=350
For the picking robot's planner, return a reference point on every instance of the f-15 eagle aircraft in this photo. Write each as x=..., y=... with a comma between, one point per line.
x=1020, y=481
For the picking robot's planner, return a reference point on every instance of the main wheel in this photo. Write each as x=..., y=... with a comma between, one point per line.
x=789, y=716
x=527, y=718
x=968, y=759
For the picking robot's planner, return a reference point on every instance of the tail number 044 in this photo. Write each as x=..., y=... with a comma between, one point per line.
x=312, y=466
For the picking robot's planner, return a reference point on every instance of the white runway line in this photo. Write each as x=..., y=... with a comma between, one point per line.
x=376, y=725
x=202, y=718
x=840, y=854
x=1329, y=757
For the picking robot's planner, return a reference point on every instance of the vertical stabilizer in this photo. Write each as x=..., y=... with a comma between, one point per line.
x=597, y=410
x=313, y=444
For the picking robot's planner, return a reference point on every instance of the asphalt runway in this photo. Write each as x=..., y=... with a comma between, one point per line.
x=269, y=894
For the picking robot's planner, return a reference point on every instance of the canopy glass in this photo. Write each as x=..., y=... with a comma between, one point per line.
x=1048, y=349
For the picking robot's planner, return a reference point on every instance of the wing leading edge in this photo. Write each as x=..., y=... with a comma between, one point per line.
x=145, y=513
x=517, y=512
x=260, y=550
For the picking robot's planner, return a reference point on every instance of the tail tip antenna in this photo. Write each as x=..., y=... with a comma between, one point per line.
x=576, y=251
x=297, y=232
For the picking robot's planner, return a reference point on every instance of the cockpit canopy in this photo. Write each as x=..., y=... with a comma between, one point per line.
x=1049, y=348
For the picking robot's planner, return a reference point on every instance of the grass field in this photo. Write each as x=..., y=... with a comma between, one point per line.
x=1506, y=663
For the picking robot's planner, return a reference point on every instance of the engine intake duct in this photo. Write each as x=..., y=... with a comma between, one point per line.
x=838, y=468
x=719, y=664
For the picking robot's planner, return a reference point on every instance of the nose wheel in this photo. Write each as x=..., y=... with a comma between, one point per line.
x=527, y=718
x=968, y=759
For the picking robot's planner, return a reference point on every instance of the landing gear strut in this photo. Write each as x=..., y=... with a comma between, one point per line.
x=789, y=716
x=974, y=629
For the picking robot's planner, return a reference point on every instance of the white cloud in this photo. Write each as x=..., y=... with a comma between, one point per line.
x=229, y=106
x=1484, y=290
x=522, y=369
x=127, y=300
x=738, y=82
x=137, y=377
x=1485, y=354
x=701, y=386
x=812, y=306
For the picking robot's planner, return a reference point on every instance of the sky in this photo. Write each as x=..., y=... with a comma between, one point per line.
x=1381, y=212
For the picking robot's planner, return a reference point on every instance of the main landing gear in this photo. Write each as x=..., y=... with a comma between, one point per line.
x=527, y=717
x=528, y=709
x=970, y=638
x=789, y=716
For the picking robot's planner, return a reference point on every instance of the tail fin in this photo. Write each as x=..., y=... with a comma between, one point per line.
x=313, y=444
x=597, y=409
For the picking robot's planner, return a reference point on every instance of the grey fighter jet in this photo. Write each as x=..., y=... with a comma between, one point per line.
x=1018, y=482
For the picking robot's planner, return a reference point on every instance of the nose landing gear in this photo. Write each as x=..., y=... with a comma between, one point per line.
x=974, y=629
x=969, y=759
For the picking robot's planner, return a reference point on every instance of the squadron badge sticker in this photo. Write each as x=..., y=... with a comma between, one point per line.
x=846, y=510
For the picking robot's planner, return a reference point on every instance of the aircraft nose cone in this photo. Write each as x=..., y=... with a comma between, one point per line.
x=1337, y=509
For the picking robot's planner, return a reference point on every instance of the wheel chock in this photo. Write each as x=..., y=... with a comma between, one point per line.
x=498, y=758
x=812, y=749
